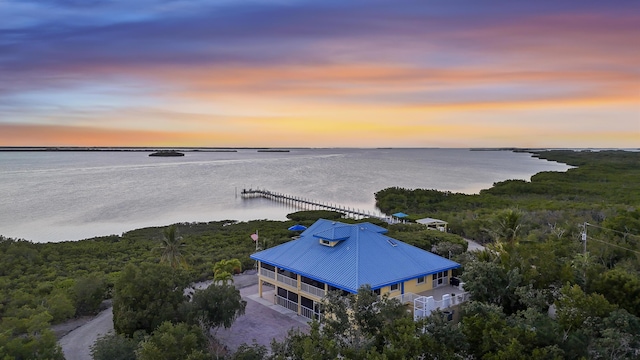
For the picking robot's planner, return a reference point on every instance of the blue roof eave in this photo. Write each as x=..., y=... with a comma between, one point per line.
x=415, y=276
x=355, y=291
x=341, y=287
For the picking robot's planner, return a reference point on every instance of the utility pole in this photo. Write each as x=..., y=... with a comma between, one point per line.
x=584, y=237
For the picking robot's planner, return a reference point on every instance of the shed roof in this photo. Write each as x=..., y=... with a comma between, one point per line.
x=400, y=215
x=429, y=221
x=363, y=255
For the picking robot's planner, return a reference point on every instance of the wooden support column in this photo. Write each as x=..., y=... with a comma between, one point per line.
x=275, y=269
x=299, y=293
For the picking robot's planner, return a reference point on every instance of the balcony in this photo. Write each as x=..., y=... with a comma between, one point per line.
x=310, y=314
x=310, y=289
x=293, y=306
x=279, y=277
x=426, y=302
x=268, y=273
x=424, y=306
x=287, y=280
x=406, y=298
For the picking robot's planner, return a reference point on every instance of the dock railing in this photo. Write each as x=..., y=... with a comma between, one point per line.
x=309, y=204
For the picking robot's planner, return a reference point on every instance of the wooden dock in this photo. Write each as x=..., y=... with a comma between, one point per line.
x=308, y=204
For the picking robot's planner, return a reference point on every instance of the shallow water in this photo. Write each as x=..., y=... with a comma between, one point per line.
x=57, y=196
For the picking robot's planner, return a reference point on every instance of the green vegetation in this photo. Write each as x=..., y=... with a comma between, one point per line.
x=154, y=318
x=114, y=347
x=223, y=270
x=145, y=296
x=47, y=283
x=535, y=265
x=535, y=293
x=172, y=247
x=604, y=187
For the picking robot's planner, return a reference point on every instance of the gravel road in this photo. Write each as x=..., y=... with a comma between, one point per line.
x=75, y=344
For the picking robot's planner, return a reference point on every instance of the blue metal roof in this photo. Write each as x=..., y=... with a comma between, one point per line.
x=335, y=233
x=400, y=215
x=364, y=255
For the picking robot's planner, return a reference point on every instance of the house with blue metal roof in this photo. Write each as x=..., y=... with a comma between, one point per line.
x=330, y=255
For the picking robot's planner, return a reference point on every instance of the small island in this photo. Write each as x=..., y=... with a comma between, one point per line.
x=166, y=153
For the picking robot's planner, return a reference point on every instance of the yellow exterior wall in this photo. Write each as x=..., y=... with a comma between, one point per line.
x=412, y=286
x=387, y=290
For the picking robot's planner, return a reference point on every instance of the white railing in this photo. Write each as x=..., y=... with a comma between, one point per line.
x=406, y=298
x=287, y=303
x=310, y=289
x=425, y=305
x=460, y=298
x=287, y=280
x=310, y=314
x=267, y=273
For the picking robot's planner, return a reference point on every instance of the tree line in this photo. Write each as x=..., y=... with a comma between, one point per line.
x=536, y=292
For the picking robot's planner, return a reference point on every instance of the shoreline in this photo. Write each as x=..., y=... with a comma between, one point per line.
x=79, y=232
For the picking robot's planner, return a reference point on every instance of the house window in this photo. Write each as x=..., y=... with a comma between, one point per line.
x=441, y=278
x=394, y=287
x=325, y=242
x=420, y=280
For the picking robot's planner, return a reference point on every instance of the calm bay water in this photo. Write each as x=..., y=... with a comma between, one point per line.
x=58, y=196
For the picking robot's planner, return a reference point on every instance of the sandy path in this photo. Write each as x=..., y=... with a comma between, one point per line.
x=75, y=344
x=474, y=246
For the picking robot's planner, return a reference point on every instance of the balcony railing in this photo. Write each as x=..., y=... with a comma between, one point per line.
x=460, y=298
x=310, y=314
x=286, y=303
x=267, y=273
x=287, y=280
x=310, y=289
x=406, y=298
x=425, y=305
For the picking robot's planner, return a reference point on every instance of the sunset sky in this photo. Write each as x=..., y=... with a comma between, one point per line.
x=279, y=73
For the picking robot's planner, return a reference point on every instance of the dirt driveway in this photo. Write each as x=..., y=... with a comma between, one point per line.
x=75, y=345
x=261, y=323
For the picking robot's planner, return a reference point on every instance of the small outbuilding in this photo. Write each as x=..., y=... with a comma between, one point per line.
x=400, y=215
x=434, y=224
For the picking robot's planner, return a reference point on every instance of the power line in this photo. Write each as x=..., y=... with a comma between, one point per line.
x=616, y=231
x=627, y=235
x=621, y=247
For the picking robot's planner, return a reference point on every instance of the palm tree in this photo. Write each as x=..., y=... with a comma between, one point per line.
x=223, y=270
x=506, y=226
x=171, y=248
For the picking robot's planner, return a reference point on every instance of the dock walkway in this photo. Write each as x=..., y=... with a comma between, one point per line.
x=309, y=204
